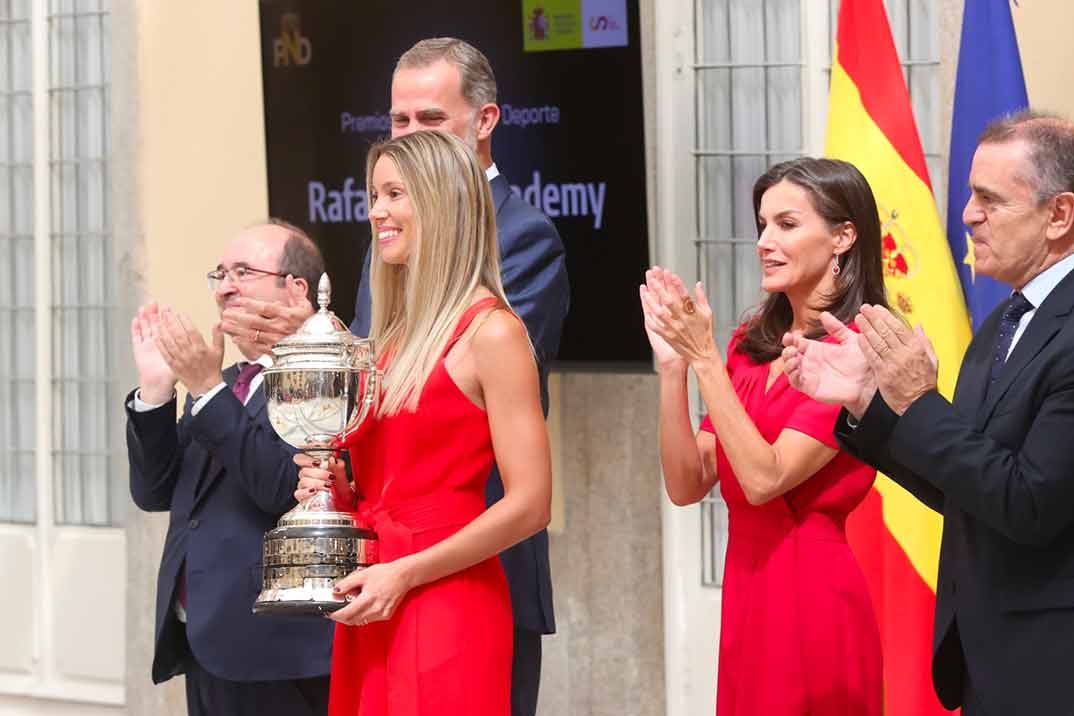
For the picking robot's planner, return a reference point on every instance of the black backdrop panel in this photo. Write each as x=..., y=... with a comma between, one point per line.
x=571, y=140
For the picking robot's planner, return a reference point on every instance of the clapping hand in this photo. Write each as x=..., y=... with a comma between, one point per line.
x=903, y=360
x=666, y=357
x=683, y=324
x=197, y=364
x=830, y=372
x=156, y=380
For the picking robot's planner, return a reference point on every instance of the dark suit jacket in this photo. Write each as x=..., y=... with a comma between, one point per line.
x=226, y=478
x=996, y=464
x=534, y=273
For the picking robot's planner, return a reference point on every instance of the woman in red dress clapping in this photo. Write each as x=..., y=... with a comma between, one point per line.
x=798, y=634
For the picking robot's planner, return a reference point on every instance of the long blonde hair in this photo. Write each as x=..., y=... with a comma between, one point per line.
x=416, y=306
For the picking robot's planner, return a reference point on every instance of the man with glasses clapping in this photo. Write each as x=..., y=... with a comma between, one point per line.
x=225, y=477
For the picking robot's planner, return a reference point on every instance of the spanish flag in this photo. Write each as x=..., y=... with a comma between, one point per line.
x=895, y=537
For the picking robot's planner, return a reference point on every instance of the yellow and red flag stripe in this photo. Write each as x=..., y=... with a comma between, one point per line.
x=895, y=537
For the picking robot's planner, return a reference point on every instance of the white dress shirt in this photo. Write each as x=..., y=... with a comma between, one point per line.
x=140, y=406
x=1037, y=290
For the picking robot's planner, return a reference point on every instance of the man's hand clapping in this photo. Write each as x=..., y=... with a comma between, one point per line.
x=903, y=360
x=197, y=364
x=831, y=372
x=156, y=379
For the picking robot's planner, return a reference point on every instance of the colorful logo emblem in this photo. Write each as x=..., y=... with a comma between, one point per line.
x=538, y=24
x=898, y=255
x=573, y=24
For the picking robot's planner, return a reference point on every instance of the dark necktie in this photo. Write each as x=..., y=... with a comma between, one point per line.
x=1008, y=326
x=241, y=389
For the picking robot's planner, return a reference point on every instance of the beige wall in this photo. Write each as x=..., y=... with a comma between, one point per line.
x=1047, y=53
x=201, y=168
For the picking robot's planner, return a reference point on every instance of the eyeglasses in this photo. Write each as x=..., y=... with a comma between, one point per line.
x=237, y=274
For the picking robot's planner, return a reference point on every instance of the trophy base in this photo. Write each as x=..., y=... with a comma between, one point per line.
x=305, y=557
x=314, y=600
x=296, y=609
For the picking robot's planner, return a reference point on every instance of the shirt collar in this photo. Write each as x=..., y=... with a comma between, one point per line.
x=265, y=359
x=1037, y=290
x=492, y=172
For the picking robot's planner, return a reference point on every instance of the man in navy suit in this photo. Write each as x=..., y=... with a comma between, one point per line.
x=226, y=478
x=447, y=84
x=994, y=461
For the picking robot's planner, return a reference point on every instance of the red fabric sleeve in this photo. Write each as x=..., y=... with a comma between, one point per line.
x=814, y=419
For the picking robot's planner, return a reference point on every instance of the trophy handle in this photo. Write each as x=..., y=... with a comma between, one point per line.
x=369, y=399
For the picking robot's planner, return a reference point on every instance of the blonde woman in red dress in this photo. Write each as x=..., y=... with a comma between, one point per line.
x=798, y=634
x=428, y=629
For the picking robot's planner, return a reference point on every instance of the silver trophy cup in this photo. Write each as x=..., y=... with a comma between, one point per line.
x=322, y=386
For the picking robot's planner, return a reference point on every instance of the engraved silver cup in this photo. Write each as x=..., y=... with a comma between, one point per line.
x=322, y=386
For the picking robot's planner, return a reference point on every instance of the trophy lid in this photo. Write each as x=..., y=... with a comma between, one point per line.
x=320, y=332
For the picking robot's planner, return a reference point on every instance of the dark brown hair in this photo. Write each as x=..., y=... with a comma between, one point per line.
x=839, y=193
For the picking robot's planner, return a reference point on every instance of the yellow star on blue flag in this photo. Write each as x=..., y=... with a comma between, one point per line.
x=969, y=259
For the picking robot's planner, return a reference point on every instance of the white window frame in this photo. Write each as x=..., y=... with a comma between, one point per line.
x=64, y=607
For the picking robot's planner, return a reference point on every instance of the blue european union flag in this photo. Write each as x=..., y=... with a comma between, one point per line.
x=989, y=84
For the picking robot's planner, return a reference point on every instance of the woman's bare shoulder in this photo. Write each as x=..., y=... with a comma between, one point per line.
x=500, y=330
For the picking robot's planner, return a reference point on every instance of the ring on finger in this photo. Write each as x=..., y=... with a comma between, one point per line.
x=688, y=306
x=257, y=336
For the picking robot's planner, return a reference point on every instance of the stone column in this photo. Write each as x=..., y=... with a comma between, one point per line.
x=145, y=532
x=608, y=655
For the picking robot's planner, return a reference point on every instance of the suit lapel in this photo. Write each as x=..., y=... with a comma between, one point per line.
x=230, y=374
x=256, y=404
x=972, y=385
x=212, y=469
x=1046, y=322
x=501, y=189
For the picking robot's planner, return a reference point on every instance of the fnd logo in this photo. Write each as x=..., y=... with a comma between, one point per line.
x=291, y=47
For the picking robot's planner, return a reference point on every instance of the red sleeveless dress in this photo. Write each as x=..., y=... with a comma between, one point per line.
x=447, y=648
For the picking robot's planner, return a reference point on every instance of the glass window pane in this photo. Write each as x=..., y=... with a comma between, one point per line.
x=17, y=314
x=86, y=420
